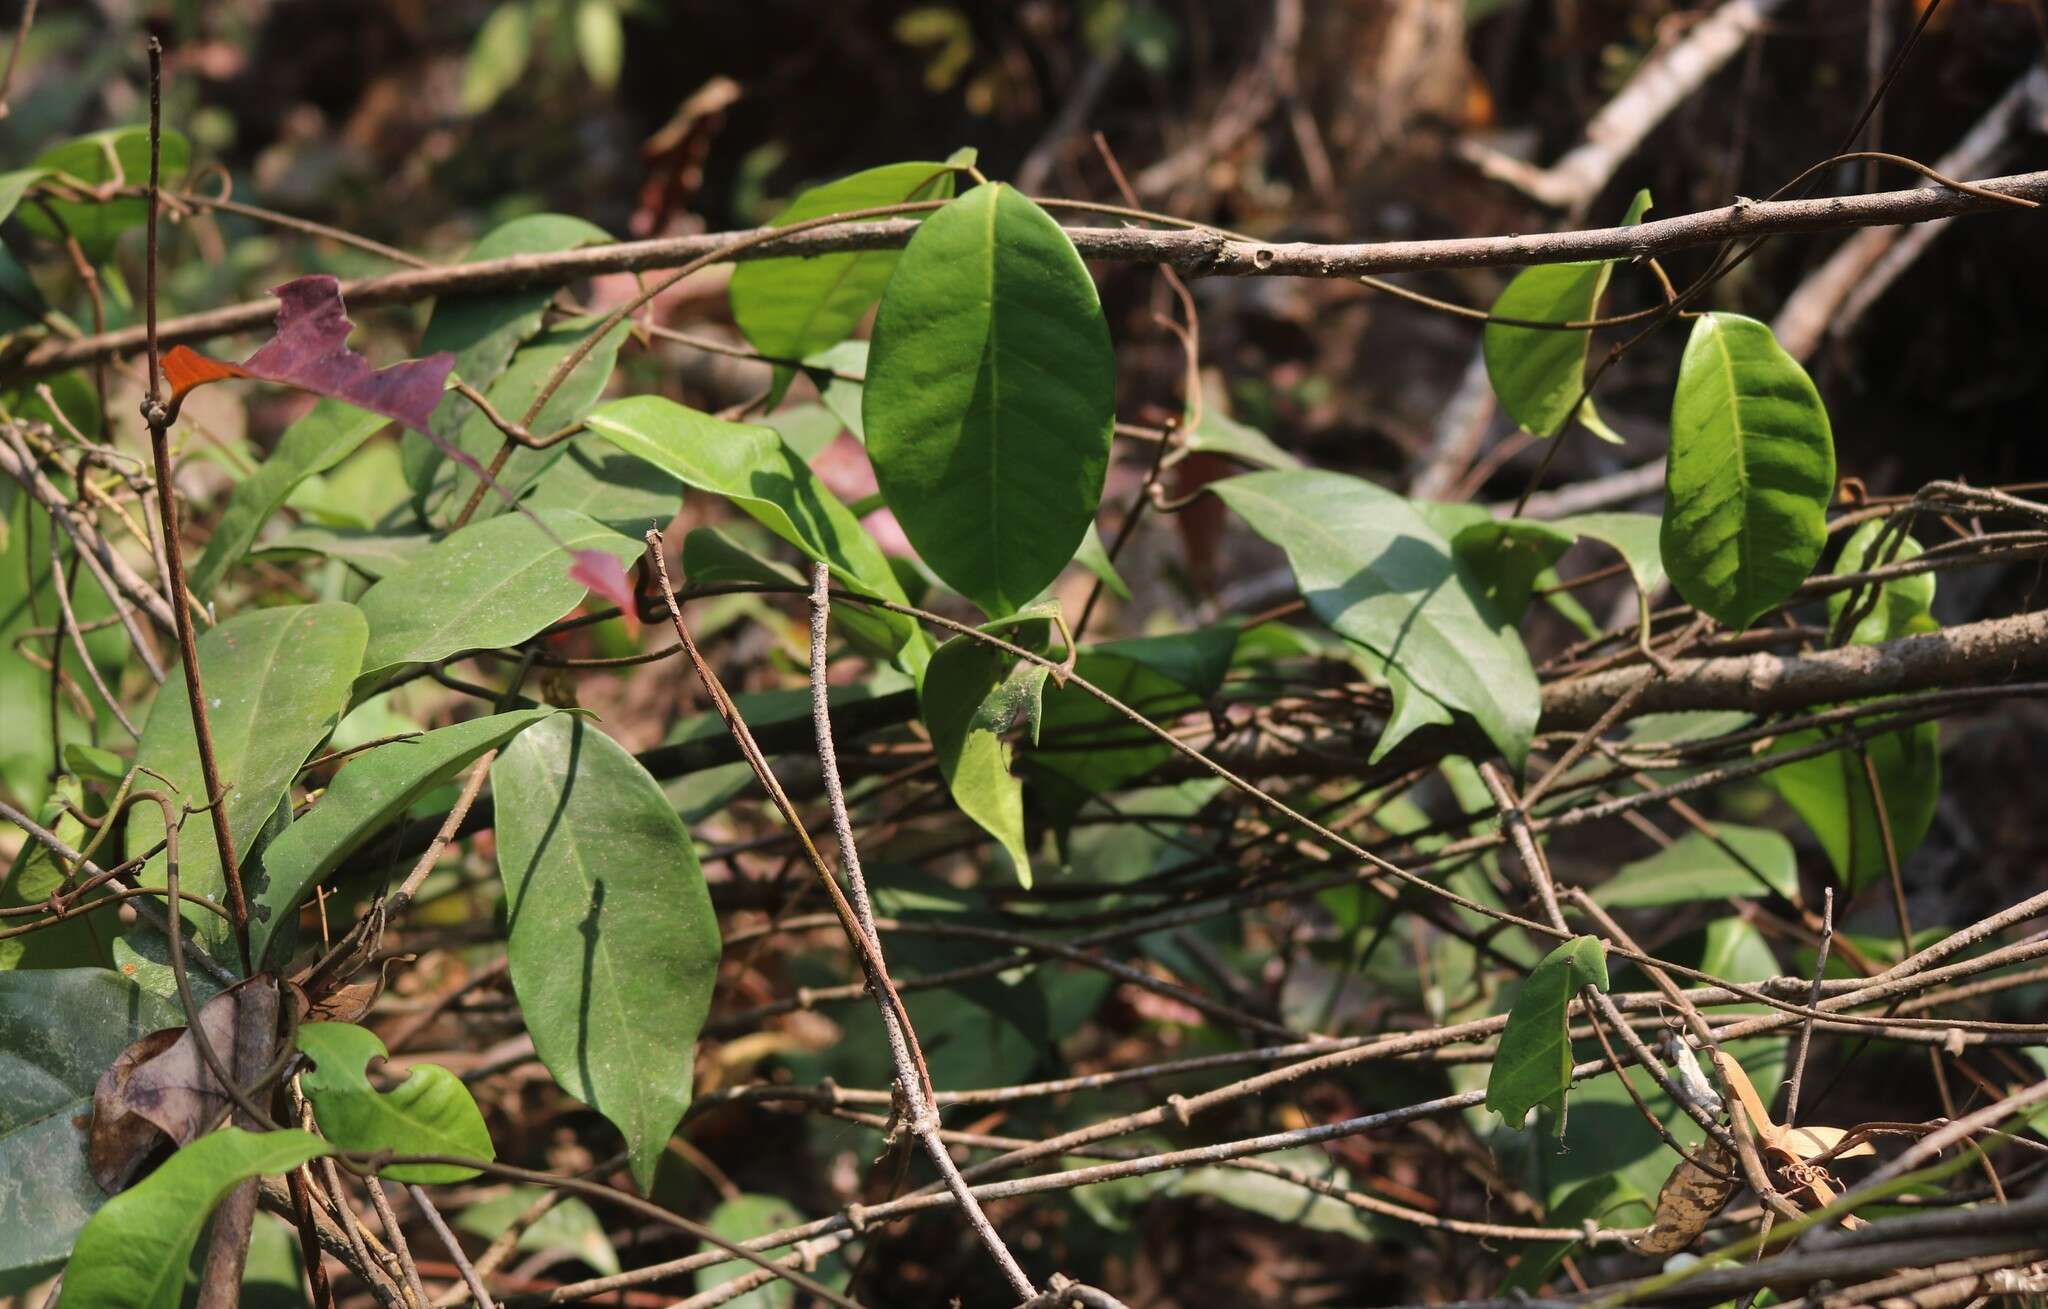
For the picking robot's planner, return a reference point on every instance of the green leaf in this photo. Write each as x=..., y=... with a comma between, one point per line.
x=1904, y=606
x=276, y=682
x=59, y=1029
x=1534, y=1063
x=793, y=308
x=990, y=396
x=1097, y=749
x=1695, y=868
x=14, y=185
x=497, y=60
x=1633, y=536
x=482, y=330
x=1508, y=556
x=1372, y=568
x=1218, y=433
x=84, y=941
x=625, y=494
x=118, y=156
x=317, y=442
x=570, y=1227
x=1540, y=374
x=513, y=393
x=742, y=1218
x=751, y=466
x=368, y=794
x=132, y=1255
x=431, y=1112
x=1831, y=793
x=600, y=41
x=613, y=944
x=1285, y=1202
x=1752, y=466
x=970, y=697
x=1094, y=556
x=493, y=583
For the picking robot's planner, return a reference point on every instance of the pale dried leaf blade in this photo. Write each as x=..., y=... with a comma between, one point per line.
x=1695, y=1191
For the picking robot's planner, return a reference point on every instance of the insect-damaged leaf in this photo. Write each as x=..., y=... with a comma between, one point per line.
x=431, y=1112
x=1534, y=1064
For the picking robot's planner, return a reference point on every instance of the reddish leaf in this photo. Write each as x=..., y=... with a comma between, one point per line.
x=604, y=574
x=310, y=351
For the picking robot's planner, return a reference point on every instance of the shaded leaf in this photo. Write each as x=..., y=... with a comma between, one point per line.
x=613, y=943
x=317, y=442
x=742, y=1218
x=58, y=1030
x=570, y=1227
x=1632, y=536
x=276, y=681
x=793, y=308
x=1695, y=868
x=625, y=494
x=1751, y=469
x=132, y=1254
x=970, y=697
x=1534, y=1063
x=990, y=396
x=1508, y=556
x=86, y=940
x=1097, y=749
x=1219, y=433
x=1372, y=568
x=1904, y=606
x=431, y=1112
x=1831, y=793
x=370, y=792
x=116, y=157
x=494, y=583
x=497, y=58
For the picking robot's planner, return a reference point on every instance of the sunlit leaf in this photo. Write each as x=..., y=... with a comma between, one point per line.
x=1534, y=1063
x=431, y=1112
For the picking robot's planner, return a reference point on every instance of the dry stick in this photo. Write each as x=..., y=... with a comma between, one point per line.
x=453, y=1246
x=913, y=1082
x=395, y=1235
x=903, y=1037
x=1820, y=972
x=68, y=625
x=1194, y=252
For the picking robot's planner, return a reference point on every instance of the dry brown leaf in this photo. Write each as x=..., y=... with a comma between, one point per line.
x=1694, y=1192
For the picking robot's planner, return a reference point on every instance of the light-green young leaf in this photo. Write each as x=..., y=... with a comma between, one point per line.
x=133, y=1253
x=1533, y=1066
x=431, y=1112
x=613, y=944
x=1747, y=861
x=1751, y=469
x=990, y=396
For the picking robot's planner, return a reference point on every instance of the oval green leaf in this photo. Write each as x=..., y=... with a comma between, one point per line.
x=990, y=395
x=276, y=682
x=613, y=945
x=1752, y=466
x=132, y=1255
x=970, y=697
x=1534, y=1063
x=1748, y=861
x=1373, y=569
x=431, y=1112
x=492, y=584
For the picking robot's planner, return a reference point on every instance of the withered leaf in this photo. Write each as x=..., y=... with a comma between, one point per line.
x=1694, y=1192
x=160, y=1088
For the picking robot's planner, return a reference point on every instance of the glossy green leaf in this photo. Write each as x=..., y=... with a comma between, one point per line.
x=367, y=795
x=1756, y=861
x=1751, y=469
x=132, y=1255
x=614, y=945
x=990, y=395
x=751, y=466
x=431, y=1112
x=970, y=697
x=1534, y=1063
x=1373, y=569
x=317, y=442
x=570, y=1227
x=59, y=1029
x=494, y=583
x=1904, y=606
x=792, y=308
x=276, y=682
x=117, y=157
x=1831, y=793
